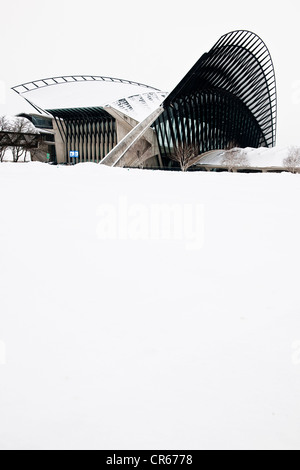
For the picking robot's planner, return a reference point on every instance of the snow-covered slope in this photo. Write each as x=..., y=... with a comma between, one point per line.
x=261, y=157
x=120, y=337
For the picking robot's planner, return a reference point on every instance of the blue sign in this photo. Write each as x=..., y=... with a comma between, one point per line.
x=74, y=154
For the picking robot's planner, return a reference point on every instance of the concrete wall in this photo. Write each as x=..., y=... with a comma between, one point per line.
x=142, y=142
x=142, y=154
x=59, y=145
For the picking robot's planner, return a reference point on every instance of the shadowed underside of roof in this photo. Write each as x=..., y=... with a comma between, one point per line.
x=73, y=113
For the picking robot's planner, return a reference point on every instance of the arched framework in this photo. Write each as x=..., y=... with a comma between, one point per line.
x=227, y=99
x=46, y=82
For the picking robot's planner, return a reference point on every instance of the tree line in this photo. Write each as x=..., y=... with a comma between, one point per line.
x=19, y=135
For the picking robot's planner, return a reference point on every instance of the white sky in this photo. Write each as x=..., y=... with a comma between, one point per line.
x=153, y=42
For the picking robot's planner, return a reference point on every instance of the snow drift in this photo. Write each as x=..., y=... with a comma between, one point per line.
x=136, y=343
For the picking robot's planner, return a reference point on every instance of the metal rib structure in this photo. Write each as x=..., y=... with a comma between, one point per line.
x=45, y=82
x=90, y=131
x=227, y=99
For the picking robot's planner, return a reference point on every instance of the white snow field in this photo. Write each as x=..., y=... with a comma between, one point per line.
x=118, y=335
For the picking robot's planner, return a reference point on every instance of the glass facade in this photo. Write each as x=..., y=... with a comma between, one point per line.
x=207, y=120
x=42, y=122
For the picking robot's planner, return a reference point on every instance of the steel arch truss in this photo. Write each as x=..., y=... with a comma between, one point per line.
x=227, y=99
x=45, y=82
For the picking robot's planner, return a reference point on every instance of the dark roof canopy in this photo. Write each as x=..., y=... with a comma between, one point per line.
x=239, y=64
x=73, y=113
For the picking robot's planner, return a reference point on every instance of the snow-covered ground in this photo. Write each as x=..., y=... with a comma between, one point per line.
x=118, y=335
x=8, y=157
x=262, y=157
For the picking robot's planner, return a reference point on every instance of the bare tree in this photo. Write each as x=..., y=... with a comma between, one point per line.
x=18, y=134
x=21, y=145
x=2, y=152
x=186, y=155
x=4, y=127
x=4, y=123
x=292, y=161
x=235, y=158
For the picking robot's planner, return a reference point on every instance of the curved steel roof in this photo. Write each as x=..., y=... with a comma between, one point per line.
x=240, y=65
x=87, y=91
